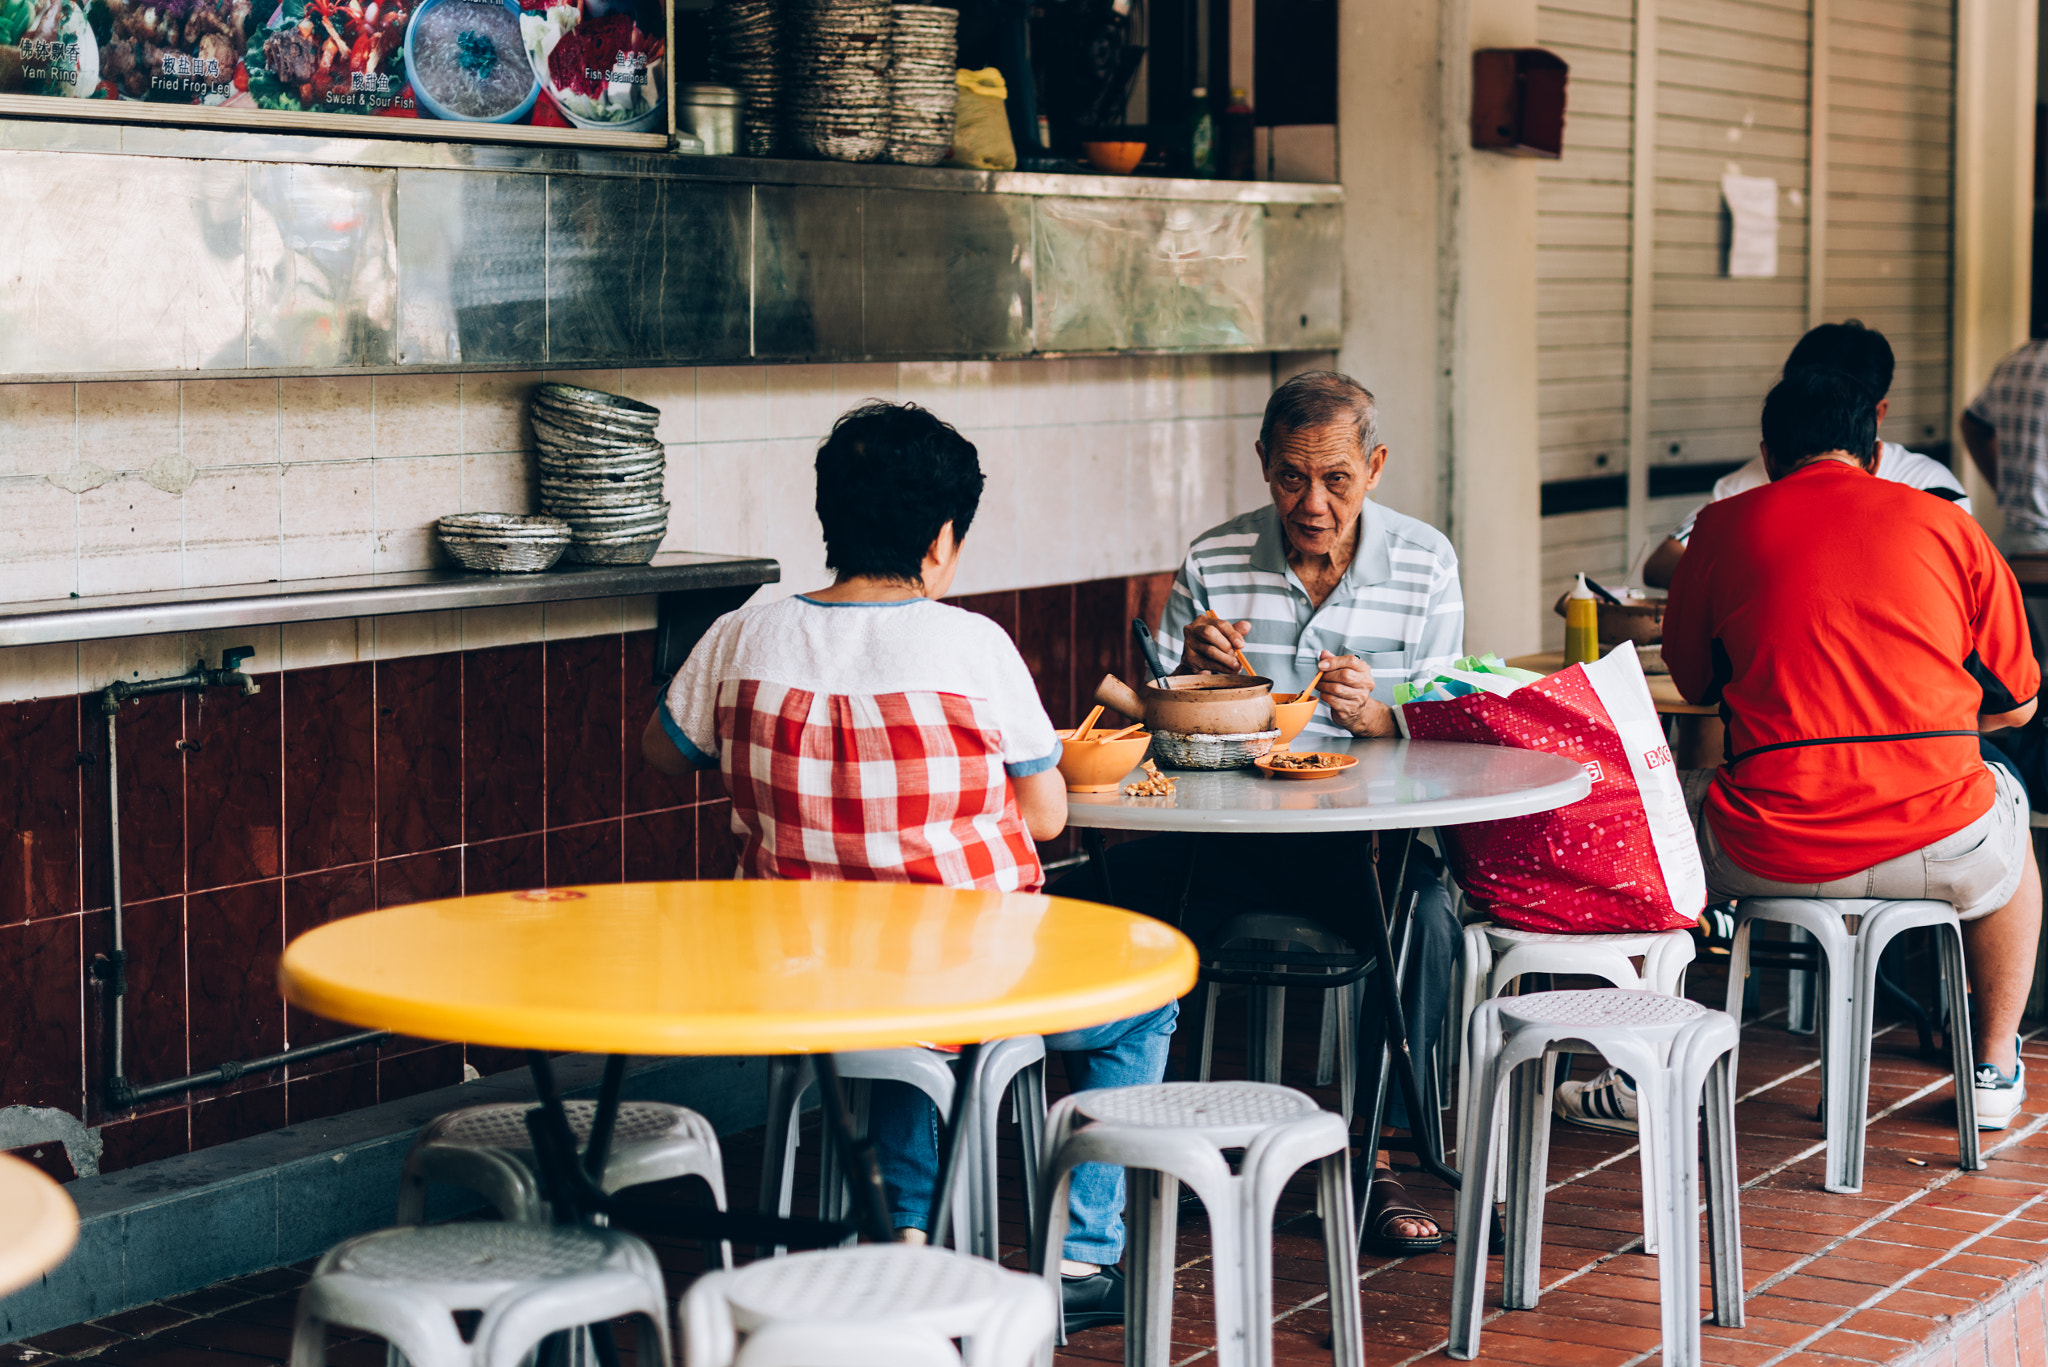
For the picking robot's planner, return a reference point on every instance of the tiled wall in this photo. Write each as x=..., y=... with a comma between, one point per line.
x=398, y=758
x=338, y=788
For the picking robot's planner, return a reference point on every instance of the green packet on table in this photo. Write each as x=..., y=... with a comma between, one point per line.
x=1472, y=674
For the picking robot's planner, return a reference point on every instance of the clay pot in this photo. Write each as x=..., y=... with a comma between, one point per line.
x=1194, y=704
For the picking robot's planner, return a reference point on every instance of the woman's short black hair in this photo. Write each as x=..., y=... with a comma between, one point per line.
x=889, y=477
x=1849, y=347
x=1815, y=410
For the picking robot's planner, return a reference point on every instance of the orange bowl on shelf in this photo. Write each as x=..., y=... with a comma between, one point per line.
x=1094, y=766
x=1291, y=717
x=1116, y=158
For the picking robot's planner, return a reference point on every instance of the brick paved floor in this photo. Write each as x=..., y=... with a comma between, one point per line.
x=1928, y=1263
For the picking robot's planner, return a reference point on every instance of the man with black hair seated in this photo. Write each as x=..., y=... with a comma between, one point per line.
x=1855, y=350
x=1859, y=636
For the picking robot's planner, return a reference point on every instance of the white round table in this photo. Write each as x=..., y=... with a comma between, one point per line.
x=38, y=1224
x=1397, y=785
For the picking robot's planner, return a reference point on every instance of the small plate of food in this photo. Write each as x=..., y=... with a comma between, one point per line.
x=1304, y=764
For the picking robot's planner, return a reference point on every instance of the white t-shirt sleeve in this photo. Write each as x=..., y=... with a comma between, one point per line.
x=1737, y=481
x=1030, y=744
x=1901, y=466
x=689, y=713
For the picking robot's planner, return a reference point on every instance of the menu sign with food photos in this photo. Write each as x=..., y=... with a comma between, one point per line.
x=572, y=65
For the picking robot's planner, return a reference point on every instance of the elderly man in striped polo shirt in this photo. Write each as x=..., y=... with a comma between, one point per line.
x=1322, y=579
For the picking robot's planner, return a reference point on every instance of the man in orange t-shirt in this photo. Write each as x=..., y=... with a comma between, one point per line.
x=1859, y=636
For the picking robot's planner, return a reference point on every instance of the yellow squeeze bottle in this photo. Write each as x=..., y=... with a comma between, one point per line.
x=1581, y=625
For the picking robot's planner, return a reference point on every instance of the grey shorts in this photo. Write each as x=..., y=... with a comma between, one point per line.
x=1976, y=870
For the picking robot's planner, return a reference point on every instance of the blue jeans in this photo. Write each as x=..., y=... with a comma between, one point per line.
x=1125, y=1053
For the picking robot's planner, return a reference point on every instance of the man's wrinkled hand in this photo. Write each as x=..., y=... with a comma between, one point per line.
x=1210, y=645
x=1346, y=690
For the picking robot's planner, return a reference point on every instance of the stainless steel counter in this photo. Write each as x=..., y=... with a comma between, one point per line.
x=268, y=254
x=691, y=589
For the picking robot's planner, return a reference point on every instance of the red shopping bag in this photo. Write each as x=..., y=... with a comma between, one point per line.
x=1623, y=858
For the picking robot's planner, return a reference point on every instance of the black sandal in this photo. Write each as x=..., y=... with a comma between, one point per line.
x=1389, y=1202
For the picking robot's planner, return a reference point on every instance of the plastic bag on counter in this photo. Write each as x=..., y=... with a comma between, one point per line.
x=1623, y=858
x=981, y=131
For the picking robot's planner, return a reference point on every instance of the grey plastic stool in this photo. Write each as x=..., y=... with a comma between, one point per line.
x=1175, y=1132
x=1266, y=1013
x=530, y=1281
x=1680, y=1054
x=1013, y=1066
x=877, y=1305
x=487, y=1150
x=1847, y=992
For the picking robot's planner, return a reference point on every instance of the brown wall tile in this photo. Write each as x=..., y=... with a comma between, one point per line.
x=238, y=1115
x=152, y=803
x=419, y=877
x=661, y=846
x=418, y=1070
x=154, y=1035
x=330, y=773
x=234, y=787
x=504, y=865
x=718, y=849
x=311, y=900
x=131, y=1143
x=999, y=607
x=585, y=730
x=234, y=937
x=419, y=754
x=647, y=789
x=1045, y=637
x=39, y=1014
x=584, y=854
x=502, y=742
x=39, y=809
x=333, y=1091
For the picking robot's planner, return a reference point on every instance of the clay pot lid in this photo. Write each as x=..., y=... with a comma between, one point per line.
x=1210, y=687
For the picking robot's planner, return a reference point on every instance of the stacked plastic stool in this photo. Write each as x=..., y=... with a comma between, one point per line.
x=1848, y=990
x=486, y=1149
x=529, y=1281
x=1013, y=1067
x=877, y=1305
x=1175, y=1132
x=1681, y=1055
x=1233, y=954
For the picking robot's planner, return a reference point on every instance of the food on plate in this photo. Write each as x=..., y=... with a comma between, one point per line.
x=600, y=62
x=467, y=59
x=331, y=56
x=1312, y=760
x=177, y=51
x=47, y=47
x=1154, y=784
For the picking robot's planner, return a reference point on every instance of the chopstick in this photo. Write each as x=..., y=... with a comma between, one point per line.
x=1081, y=731
x=1119, y=735
x=1242, y=662
x=1303, y=695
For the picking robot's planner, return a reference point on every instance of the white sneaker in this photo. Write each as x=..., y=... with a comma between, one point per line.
x=1606, y=1102
x=1999, y=1097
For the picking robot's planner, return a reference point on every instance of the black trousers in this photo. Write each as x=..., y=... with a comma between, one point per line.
x=1194, y=881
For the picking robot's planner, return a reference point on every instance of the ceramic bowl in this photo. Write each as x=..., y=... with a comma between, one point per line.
x=1093, y=766
x=1115, y=158
x=1291, y=717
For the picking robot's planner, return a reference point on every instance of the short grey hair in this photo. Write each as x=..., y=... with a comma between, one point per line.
x=1317, y=398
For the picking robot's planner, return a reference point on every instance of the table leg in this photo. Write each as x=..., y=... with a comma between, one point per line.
x=601, y=1124
x=950, y=1145
x=1098, y=855
x=1394, y=1050
x=857, y=1155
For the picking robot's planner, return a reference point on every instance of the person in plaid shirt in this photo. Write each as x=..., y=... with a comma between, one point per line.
x=868, y=731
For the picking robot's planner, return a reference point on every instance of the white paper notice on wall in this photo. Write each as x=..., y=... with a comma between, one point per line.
x=1753, y=209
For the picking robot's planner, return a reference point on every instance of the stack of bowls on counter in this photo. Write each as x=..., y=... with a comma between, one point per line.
x=922, y=88
x=600, y=472
x=749, y=38
x=837, y=101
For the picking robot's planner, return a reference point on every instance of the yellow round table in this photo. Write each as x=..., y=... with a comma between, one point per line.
x=714, y=968
x=737, y=967
x=38, y=1224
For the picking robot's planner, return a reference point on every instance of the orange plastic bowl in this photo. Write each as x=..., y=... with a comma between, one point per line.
x=1117, y=158
x=1291, y=717
x=1093, y=766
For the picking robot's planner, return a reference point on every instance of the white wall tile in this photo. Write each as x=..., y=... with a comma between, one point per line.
x=1156, y=537
x=499, y=482
x=1246, y=486
x=1099, y=389
x=326, y=419
x=1100, y=494
x=989, y=562
x=1042, y=391
x=328, y=520
x=417, y=415
x=38, y=428
x=638, y=613
x=130, y=538
x=232, y=526
x=229, y=422
x=48, y=671
x=311, y=645
x=730, y=481
x=592, y=617
x=732, y=403
x=1248, y=382
x=1045, y=507
x=38, y=540
x=406, y=498
x=932, y=385
x=1155, y=388
x=266, y=641
x=607, y=380
x=672, y=389
x=858, y=384
x=487, y=628
x=1204, y=484
x=790, y=534
x=131, y=658
x=1204, y=392
x=494, y=411
x=127, y=424
x=988, y=396
x=801, y=404
x=679, y=487
x=416, y=633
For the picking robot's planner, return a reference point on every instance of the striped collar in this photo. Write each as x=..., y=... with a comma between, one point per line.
x=1372, y=565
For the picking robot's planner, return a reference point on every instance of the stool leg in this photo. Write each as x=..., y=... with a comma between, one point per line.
x=1475, y=1196
x=309, y=1341
x=1724, y=1194
x=778, y=1159
x=1208, y=1051
x=1677, y=1185
x=1347, y=1001
x=1851, y=995
x=1266, y=1021
x=1340, y=1255
x=1027, y=1096
x=1802, y=999
x=1152, y=1225
x=1528, y=1166
x=1962, y=1056
x=1326, y=1040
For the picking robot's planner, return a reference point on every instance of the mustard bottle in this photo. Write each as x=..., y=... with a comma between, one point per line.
x=1581, y=626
